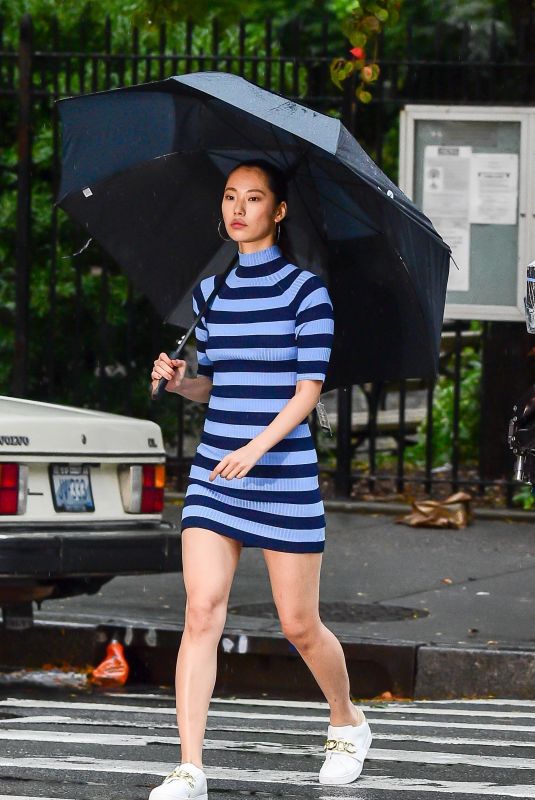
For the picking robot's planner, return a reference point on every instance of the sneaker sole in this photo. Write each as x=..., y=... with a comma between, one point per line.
x=352, y=776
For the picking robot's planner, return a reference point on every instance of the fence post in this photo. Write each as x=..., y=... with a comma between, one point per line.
x=23, y=232
x=342, y=475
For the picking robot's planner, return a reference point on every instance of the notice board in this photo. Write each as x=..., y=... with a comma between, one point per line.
x=466, y=167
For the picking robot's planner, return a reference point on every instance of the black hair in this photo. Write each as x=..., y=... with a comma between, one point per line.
x=278, y=184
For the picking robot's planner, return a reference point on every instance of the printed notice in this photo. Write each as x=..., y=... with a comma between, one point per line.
x=446, y=201
x=494, y=188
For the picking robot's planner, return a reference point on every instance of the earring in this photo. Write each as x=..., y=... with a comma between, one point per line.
x=219, y=232
x=278, y=231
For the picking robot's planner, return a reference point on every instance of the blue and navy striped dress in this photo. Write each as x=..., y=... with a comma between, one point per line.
x=270, y=325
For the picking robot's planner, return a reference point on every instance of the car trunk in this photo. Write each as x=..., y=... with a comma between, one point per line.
x=75, y=458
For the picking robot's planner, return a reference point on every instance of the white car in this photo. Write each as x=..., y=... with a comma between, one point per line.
x=81, y=500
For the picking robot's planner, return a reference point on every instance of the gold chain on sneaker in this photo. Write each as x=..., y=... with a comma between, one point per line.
x=340, y=745
x=182, y=773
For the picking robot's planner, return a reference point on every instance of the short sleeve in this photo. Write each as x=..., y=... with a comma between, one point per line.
x=314, y=329
x=204, y=365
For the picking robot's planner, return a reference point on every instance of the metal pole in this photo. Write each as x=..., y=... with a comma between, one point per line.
x=342, y=476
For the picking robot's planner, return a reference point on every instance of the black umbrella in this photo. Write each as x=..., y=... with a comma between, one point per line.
x=143, y=170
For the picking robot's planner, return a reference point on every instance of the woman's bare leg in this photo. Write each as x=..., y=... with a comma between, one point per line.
x=209, y=562
x=294, y=581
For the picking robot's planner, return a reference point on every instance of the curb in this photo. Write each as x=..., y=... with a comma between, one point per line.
x=267, y=664
x=394, y=508
x=471, y=673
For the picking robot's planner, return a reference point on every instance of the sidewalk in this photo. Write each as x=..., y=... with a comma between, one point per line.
x=429, y=613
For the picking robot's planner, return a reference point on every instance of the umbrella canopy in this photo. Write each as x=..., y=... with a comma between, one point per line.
x=143, y=171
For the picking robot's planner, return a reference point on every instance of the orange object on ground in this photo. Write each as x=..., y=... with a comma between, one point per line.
x=114, y=669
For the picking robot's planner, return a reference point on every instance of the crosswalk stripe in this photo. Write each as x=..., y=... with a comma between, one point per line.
x=32, y=797
x=491, y=701
x=322, y=705
x=413, y=706
x=390, y=784
x=438, y=786
x=255, y=777
x=131, y=739
x=382, y=710
x=136, y=740
x=375, y=754
x=156, y=768
x=389, y=722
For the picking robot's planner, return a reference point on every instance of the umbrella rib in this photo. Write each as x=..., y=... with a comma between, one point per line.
x=288, y=165
x=410, y=213
x=293, y=168
x=249, y=140
x=354, y=216
x=368, y=182
x=336, y=204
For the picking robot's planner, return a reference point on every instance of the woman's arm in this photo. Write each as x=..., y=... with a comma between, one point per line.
x=174, y=370
x=298, y=407
x=197, y=389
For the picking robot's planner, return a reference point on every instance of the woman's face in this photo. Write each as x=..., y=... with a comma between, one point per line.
x=249, y=208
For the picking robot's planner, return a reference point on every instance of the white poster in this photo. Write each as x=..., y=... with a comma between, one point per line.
x=446, y=201
x=494, y=188
x=456, y=233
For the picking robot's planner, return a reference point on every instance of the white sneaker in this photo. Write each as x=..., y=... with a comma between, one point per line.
x=346, y=747
x=185, y=782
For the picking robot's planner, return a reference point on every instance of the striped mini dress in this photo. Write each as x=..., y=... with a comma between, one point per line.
x=271, y=324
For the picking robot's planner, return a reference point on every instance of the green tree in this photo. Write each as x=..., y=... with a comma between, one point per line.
x=365, y=22
x=79, y=334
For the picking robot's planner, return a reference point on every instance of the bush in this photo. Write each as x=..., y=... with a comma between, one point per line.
x=443, y=401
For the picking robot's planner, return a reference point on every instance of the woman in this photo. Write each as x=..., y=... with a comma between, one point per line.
x=263, y=349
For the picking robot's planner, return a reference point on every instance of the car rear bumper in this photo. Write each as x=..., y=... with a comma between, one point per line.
x=50, y=554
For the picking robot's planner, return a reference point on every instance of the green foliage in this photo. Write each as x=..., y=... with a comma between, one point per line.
x=480, y=15
x=491, y=25
x=390, y=151
x=443, y=405
x=524, y=497
x=80, y=312
x=78, y=336
x=362, y=23
x=326, y=446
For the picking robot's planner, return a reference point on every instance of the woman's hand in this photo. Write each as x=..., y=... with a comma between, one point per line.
x=238, y=463
x=173, y=369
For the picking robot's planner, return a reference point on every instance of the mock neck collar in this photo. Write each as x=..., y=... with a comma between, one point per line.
x=260, y=256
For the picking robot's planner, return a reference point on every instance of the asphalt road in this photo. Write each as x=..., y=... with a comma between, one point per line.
x=115, y=745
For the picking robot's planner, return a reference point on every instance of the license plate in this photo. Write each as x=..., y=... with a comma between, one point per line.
x=71, y=487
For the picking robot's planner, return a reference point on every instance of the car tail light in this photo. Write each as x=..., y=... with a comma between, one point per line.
x=13, y=488
x=142, y=488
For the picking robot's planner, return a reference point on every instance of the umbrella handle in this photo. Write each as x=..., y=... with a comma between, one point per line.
x=160, y=389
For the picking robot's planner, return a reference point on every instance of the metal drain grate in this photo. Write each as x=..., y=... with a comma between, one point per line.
x=339, y=612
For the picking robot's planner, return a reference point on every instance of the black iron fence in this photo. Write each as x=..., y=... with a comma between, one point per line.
x=72, y=328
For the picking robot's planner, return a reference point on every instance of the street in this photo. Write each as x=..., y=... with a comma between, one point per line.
x=119, y=744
